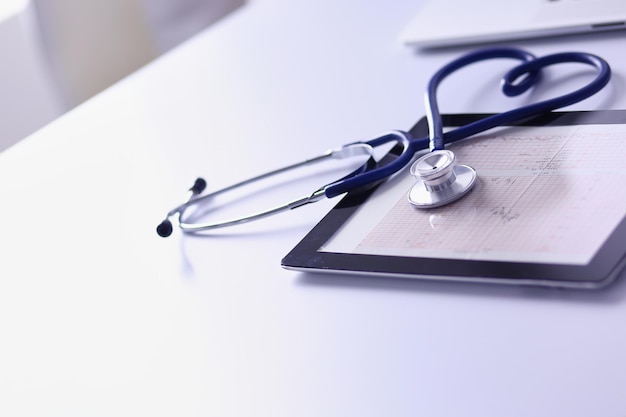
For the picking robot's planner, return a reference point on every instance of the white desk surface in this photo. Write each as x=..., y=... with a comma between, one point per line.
x=101, y=317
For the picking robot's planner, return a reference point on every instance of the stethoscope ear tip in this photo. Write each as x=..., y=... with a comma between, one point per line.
x=198, y=186
x=165, y=228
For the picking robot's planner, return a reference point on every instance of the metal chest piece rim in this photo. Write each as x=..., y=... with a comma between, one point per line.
x=440, y=180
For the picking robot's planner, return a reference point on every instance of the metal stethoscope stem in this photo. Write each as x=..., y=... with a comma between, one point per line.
x=195, y=198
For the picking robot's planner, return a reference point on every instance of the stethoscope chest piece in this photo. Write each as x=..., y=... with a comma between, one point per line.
x=439, y=180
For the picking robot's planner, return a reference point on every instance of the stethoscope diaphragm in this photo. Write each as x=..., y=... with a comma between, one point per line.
x=439, y=180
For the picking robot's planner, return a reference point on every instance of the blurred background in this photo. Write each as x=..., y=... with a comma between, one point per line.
x=56, y=54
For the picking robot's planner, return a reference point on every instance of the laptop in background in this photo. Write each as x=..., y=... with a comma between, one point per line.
x=443, y=23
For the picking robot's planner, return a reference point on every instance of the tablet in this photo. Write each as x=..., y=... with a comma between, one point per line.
x=548, y=209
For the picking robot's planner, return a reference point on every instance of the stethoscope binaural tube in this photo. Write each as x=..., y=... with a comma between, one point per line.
x=165, y=228
x=510, y=88
x=433, y=116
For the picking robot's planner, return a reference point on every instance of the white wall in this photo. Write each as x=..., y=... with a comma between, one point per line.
x=57, y=53
x=94, y=43
x=29, y=97
x=172, y=21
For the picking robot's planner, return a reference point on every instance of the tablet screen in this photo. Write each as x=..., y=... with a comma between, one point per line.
x=544, y=194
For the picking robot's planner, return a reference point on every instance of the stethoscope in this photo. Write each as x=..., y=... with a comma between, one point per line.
x=440, y=179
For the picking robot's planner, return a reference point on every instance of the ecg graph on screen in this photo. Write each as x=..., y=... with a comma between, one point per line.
x=544, y=194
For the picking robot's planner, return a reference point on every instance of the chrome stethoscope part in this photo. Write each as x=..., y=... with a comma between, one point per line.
x=185, y=222
x=440, y=180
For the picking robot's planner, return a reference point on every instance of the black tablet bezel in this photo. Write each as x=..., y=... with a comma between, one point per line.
x=601, y=270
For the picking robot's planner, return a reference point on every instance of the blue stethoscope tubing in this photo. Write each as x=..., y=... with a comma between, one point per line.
x=515, y=82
